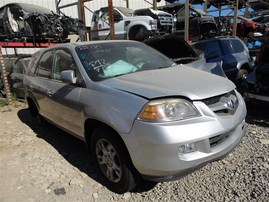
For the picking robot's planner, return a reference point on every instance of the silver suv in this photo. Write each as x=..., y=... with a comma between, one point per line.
x=141, y=116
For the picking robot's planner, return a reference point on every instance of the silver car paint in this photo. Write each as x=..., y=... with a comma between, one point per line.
x=118, y=101
x=176, y=81
x=163, y=141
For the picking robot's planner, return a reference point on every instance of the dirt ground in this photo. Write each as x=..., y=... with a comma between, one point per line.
x=43, y=163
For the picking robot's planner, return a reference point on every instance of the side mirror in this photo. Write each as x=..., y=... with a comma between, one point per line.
x=68, y=76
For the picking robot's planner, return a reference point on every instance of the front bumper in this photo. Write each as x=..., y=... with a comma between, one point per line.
x=154, y=147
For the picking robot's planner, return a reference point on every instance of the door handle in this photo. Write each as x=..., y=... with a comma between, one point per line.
x=49, y=93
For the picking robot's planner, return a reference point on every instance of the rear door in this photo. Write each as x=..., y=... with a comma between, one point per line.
x=39, y=83
x=230, y=60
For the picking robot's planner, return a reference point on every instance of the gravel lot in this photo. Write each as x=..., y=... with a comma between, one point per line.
x=45, y=164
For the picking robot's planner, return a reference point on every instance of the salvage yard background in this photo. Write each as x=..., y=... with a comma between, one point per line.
x=90, y=6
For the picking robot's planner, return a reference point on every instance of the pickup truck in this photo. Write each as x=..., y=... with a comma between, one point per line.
x=129, y=26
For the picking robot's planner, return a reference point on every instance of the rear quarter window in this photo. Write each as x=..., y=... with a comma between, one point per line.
x=213, y=47
x=227, y=47
x=237, y=46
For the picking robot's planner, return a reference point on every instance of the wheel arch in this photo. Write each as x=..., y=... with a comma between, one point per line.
x=134, y=29
x=91, y=125
x=33, y=106
x=245, y=66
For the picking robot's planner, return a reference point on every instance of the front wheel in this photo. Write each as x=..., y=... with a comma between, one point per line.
x=242, y=73
x=113, y=164
x=139, y=34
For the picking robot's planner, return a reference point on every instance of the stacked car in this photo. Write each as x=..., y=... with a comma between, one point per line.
x=24, y=21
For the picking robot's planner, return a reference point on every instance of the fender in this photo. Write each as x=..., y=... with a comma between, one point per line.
x=148, y=22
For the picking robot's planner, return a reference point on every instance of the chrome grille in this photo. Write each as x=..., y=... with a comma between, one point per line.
x=224, y=104
x=212, y=100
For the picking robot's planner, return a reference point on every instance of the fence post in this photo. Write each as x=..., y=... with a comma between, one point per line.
x=4, y=77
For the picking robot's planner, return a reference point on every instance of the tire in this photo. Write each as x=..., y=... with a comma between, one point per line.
x=35, y=113
x=241, y=74
x=139, y=34
x=112, y=162
x=240, y=82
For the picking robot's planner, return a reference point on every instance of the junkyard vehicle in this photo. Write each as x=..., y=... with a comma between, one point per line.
x=16, y=75
x=28, y=21
x=181, y=52
x=244, y=25
x=201, y=25
x=131, y=24
x=256, y=84
x=15, y=69
x=234, y=54
x=217, y=3
x=263, y=24
x=259, y=6
x=223, y=26
x=140, y=114
x=165, y=20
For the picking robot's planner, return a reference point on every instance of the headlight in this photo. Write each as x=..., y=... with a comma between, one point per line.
x=168, y=110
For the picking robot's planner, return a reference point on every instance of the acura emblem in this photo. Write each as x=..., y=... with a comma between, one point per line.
x=230, y=104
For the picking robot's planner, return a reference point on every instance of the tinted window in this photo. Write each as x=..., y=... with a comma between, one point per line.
x=227, y=47
x=237, y=46
x=63, y=61
x=45, y=64
x=213, y=47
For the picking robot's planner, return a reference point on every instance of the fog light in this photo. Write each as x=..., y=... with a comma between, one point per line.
x=187, y=148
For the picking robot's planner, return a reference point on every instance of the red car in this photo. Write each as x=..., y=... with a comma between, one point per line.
x=244, y=26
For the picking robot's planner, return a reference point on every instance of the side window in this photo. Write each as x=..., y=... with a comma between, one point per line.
x=213, y=47
x=45, y=64
x=63, y=60
x=105, y=17
x=181, y=15
x=227, y=47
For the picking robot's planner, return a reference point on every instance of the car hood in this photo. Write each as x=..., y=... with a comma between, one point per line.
x=174, y=81
x=173, y=47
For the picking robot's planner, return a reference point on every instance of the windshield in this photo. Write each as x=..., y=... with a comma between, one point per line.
x=110, y=59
